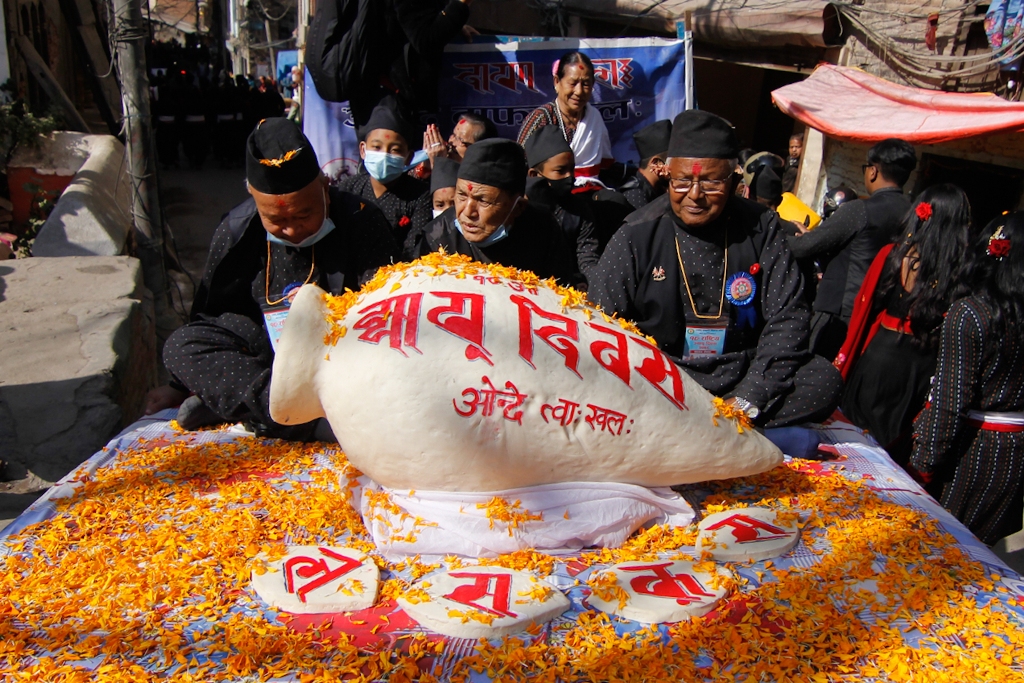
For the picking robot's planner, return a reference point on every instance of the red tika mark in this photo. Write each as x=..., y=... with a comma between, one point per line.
x=308, y=567
x=747, y=529
x=696, y=169
x=683, y=588
x=560, y=339
x=396, y=318
x=463, y=317
x=468, y=594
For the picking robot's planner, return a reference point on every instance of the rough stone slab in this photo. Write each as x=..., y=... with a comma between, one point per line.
x=93, y=215
x=79, y=356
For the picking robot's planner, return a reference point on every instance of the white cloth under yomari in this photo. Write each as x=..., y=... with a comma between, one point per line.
x=575, y=515
x=590, y=143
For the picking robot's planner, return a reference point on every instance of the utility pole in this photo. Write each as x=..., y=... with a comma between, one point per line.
x=129, y=36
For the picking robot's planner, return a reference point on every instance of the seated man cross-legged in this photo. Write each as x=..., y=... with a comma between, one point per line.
x=293, y=230
x=711, y=278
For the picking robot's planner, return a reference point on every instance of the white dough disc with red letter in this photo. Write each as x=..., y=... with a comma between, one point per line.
x=747, y=535
x=450, y=375
x=482, y=602
x=313, y=579
x=657, y=592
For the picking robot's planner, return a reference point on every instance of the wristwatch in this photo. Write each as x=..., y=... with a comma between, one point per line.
x=747, y=407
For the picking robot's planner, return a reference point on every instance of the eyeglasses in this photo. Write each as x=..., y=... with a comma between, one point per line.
x=684, y=185
x=864, y=167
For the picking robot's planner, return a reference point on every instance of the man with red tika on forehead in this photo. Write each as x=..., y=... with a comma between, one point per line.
x=293, y=230
x=711, y=278
x=492, y=220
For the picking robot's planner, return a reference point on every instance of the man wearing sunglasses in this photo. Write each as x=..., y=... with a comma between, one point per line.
x=712, y=280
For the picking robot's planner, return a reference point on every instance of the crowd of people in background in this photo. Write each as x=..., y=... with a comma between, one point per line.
x=899, y=310
x=196, y=114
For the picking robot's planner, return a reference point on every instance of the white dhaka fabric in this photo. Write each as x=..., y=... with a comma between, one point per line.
x=573, y=515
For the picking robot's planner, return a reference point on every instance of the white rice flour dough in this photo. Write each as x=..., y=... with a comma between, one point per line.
x=659, y=592
x=313, y=579
x=482, y=602
x=454, y=381
x=747, y=535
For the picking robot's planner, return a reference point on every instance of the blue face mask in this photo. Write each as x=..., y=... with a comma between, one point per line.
x=496, y=236
x=323, y=232
x=383, y=167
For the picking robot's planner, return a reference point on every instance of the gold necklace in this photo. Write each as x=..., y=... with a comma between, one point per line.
x=266, y=289
x=725, y=268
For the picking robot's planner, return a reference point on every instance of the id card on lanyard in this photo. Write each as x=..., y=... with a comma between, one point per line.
x=273, y=319
x=705, y=339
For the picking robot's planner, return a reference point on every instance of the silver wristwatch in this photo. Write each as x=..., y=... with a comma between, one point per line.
x=747, y=407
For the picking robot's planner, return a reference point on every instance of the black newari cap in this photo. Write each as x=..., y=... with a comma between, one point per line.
x=388, y=116
x=653, y=140
x=444, y=173
x=496, y=162
x=699, y=134
x=547, y=142
x=279, y=159
x=768, y=185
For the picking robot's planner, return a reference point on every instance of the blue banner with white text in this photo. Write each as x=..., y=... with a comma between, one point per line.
x=639, y=81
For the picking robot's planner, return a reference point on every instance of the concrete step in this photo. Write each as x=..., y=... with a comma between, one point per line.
x=80, y=354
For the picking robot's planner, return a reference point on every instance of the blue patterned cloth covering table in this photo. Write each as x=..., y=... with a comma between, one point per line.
x=137, y=565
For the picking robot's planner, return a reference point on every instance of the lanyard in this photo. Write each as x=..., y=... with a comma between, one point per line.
x=721, y=301
x=266, y=291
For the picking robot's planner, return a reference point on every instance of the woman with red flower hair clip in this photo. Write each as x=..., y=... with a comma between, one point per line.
x=889, y=355
x=969, y=440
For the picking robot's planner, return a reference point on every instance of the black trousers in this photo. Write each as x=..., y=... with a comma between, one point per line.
x=226, y=361
x=815, y=394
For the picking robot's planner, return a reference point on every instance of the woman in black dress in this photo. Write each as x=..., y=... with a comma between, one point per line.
x=969, y=440
x=889, y=367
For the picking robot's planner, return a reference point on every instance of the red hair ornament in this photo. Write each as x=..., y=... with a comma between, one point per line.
x=998, y=244
x=924, y=211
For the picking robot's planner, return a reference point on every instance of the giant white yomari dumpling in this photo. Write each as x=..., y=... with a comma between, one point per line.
x=450, y=375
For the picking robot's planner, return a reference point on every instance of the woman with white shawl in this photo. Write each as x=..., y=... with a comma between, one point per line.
x=580, y=122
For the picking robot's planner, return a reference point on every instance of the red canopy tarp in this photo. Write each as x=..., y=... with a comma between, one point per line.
x=852, y=105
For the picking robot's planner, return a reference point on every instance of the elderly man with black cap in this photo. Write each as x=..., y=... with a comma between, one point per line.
x=292, y=231
x=713, y=281
x=492, y=220
x=651, y=179
x=386, y=149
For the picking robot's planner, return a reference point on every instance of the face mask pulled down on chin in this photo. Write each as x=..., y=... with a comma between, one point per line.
x=498, y=235
x=325, y=229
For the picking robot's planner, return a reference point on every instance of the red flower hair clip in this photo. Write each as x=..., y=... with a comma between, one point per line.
x=924, y=211
x=998, y=244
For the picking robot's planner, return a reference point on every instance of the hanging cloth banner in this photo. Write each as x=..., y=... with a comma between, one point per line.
x=639, y=81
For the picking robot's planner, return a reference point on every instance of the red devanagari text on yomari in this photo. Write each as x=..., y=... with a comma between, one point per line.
x=746, y=529
x=564, y=413
x=307, y=567
x=509, y=400
x=498, y=587
x=613, y=357
x=606, y=420
x=467, y=325
x=559, y=338
x=397, y=318
x=683, y=588
x=659, y=369
x=514, y=285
